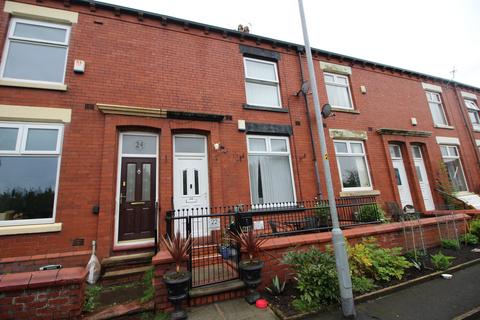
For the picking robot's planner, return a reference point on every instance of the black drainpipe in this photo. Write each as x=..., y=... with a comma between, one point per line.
x=307, y=111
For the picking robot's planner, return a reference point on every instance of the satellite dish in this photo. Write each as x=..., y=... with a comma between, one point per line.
x=326, y=110
x=305, y=87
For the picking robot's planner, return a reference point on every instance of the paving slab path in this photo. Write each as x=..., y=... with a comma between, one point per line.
x=237, y=309
x=437, y=299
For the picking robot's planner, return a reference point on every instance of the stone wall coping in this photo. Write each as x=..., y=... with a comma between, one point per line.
x=357, y=232
x=45, y=256
x=448, y=212
x=162, y=257
x=41, y=279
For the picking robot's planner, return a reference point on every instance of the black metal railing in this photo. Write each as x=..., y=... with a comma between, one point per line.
x=214, y=256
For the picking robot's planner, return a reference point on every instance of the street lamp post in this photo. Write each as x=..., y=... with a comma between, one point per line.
x=341, y=260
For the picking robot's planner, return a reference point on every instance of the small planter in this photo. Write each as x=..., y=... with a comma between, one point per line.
x=227, y=252
x=251, y=274
x=177, y=288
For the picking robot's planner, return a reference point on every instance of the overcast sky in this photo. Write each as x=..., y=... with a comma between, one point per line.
x=427, y=36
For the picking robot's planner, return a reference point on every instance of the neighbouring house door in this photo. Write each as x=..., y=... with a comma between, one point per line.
x=423, y=178
x=137, y=199
x=190, y=183
x=400, y=175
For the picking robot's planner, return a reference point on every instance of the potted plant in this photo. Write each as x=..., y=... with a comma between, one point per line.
x=177, y=281
x=251, y=268
x=322, y=214
x=226, y=249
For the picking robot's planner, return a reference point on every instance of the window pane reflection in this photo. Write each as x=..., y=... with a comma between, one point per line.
x=27, y=187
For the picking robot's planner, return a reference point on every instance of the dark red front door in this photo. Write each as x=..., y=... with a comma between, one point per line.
x=137, y=199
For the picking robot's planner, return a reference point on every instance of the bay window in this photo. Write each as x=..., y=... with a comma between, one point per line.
x=29, y=169
x=270, y=170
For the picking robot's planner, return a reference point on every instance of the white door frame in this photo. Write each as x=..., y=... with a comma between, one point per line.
x=130, y=243
x=397, y=163
x=421, y=162
x=184, y=155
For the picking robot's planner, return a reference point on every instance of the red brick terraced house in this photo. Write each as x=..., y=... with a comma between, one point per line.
x=111, y=117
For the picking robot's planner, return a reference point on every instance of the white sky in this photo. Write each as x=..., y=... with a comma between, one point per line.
x=426, y=36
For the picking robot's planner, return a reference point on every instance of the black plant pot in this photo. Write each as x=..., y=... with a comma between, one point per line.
x=251, y=274
x=177, y=288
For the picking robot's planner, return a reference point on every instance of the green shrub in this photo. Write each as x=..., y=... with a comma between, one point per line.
x=91, y=297
x=475, y=227
x=277, y=287
x=469, y=238
x=362, y=284
x=368, y=259
x=416, y=257
x=370, y=213
x=316, y=277
x=450, y=244
x=441, y=261
x=322, y=211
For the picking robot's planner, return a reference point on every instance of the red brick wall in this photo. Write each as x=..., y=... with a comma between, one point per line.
x=53, y=294
x=144, y=63
x=387, y=235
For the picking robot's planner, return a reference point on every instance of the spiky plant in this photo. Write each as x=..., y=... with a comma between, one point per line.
x=249, y=241
x=178, y=248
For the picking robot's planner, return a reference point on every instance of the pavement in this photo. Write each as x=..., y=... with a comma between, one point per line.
x=437, y=299
x=237, y=309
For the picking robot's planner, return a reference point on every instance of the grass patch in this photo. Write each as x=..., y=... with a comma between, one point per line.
x=149, y=292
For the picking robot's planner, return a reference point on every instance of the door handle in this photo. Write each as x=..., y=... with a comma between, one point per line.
x=137, y=203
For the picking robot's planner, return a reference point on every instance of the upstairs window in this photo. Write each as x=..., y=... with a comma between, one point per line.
x=35, y=51
x=352, y=165
x=271, y=179
x=473, y=113
x=29, y=169
x=261, y=83
x=436, y=108
x=451, y=158
x=338, y=91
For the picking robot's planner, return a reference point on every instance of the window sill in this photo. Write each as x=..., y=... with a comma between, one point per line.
x=359, y=193
x=443, y=126
x=259, y=108
x=25, y=84
x=29, y=229
x=345, y=110
x=476, y=129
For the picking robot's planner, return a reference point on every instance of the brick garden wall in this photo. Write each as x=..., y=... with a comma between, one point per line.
x=388, y=236
x=52, y=294
x=149, y=64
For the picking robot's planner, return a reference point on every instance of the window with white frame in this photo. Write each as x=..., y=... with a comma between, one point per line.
x=352, y=165
x=35, y=51
x=338, y=90
x=451, y=158
x=29, y=170
x=473, y=113
x=436, y=108
x=261, y=83
x=270, y=169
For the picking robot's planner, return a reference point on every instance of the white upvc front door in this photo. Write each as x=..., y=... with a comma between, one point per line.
x=400, y=175
x=423, y=178
x=190, y=182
